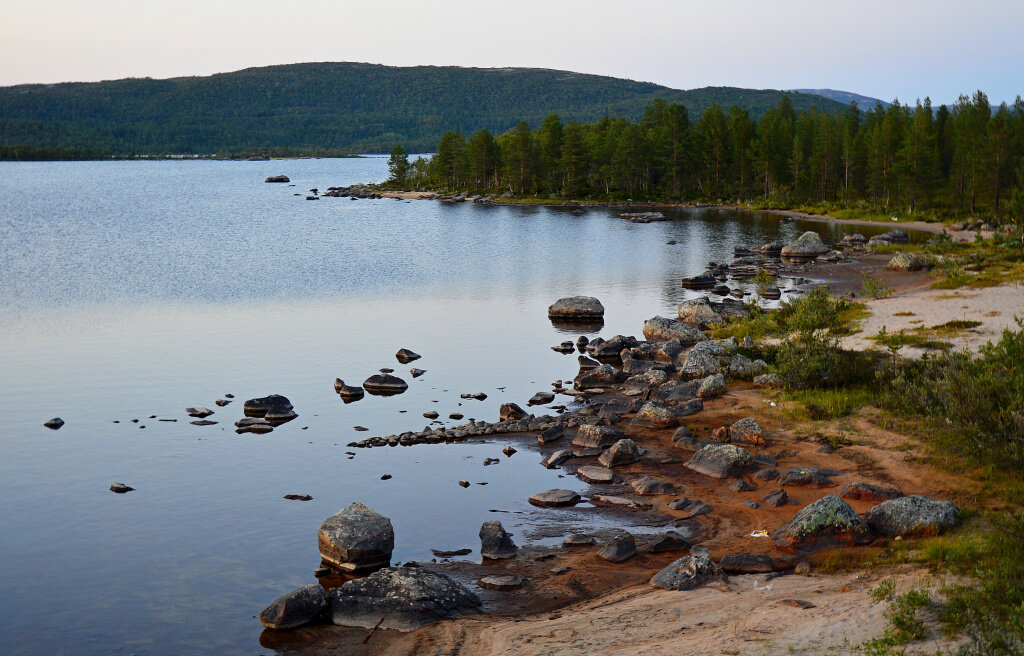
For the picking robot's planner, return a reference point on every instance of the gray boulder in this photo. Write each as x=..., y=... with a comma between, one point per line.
x=648, y=486
x=768, y=380
x=721, y=461
x=705, y=359
x=908, y=262
x=622, y=452
x=576, y=307
x=700, y=314
x=657, y=415
x=826, y=523
x=661, y=329
x=595, y=475
x=296, y=608
x=912, y=516
x=711, y=387
x=807, y=477
x=598, y=377
x=687, y=573
x=806, y=246
x=590, y=436
x=495, y=543
x=356, y=539
x=618, y=549
x=747, y=430
x=401, y=598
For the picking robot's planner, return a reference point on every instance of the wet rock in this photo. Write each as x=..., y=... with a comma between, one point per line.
x=405, y=356
x=275, y=405
x=552, y=434
x=700, y=314
x=702, y=281
x=721, y=461
x=199, y=412
x=501, y=583
x=298, y=497
x=745, y=563
x=508, y=451
x=54, y=424
x=868, y=492
x=768, y=380
x=669, y=541
x=748, y=431
x=595, y=475
x=691, y=507
x=455, y=415
x=541, y=398
x=555, y=498
x=463, y=483
x=576, y=307
x=440, y=553
x=648, y=486
x=623, y=452
x=296, y=608
x=431, y=414
x=807, y=246
x=416, y=373
x=479, y=396
x=826, y=523
x=495, y=543
x=807, y=477
x=711, y=387
x=356, y=539
x=599, y=377
x=618, y=549
x=511, y=412
x=776, y=499
x=661, y=329
x=687, y=573
x=555, y=459
x=657, y=415
x=586, y=363
x=912, y=516
x=120, y=488
x=402, y=598
x=348, y=392
x=222, y=402
x=577, y=540
x=384, y=385
x=600, y=437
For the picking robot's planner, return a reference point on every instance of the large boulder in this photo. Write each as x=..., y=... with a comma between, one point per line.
x=495, y=542
x=908, y=262
x=706, y=359
x=807, y=246
x=662, y=329
x=596, y=378
x=618, y=549
x=590, y=436
x=576, y=307
x=711, y=387
x=296, y=608
x=384, y=385
x=749, y=431
x=401, y=598
x=912, y=516
x=623, y=452
x=656, y=415
x=700, y=314
x=687, y=573
x=721, y=461
x=356, y=539
x=826, y=523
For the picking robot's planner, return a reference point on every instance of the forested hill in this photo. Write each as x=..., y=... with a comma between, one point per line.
x=331, y=107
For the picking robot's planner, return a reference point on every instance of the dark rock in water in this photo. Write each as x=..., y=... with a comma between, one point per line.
x=296, y=608
x=721, y=461
x=744, y=563
x=703, y=281
x=385, y=385
x=541, y=398
x=451, y=554
x=661, y=329
x=913, y=516
x=643, y=217
x=464, y=483
x=687, y=573
x=826, y=523
x=868, y=492
x=669, y=541
x=771, y=293
x=274, y=404
x=455, y=415
x=120, y=488
x=222, y=402
x=601, y=377
x=348, y=392
x=54, y=423
x=511, y=412
x=431, y=414
x=501, y=583
x=199, y=412
x=576, y=307
x=581, y=343
x=508, y=451
x=691, y=507
x=405, y=356
x=479, y=396
x=587, y=364
x=202, y=422
x=495, y=543
x=278, y=178
x=402, y=598
x=595, y=475
x=897, y=236
x=776, y=499
x=386, y=370
x=600, y=437
x=556, y=458
x=298, y=497
x=623, y=452
x=577, y=540
x=555, y=498
x=552, y=434
x=807, y=477
x=648, y=486
x=618, y=549
x=564, y=348
x=356, y=539
x=416, y=373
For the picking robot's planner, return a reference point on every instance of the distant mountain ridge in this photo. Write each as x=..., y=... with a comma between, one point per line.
x=844, y=97
x=333, y=106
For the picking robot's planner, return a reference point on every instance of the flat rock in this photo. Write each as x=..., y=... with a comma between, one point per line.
x=402, y=598
x=648, y=486
x=356, y=539
x=441, y=553
x=618, y=549
x=912, y=516
x=745, y=563
x=384, y=385
x=669, y=541
x=576, y=307
x=501, y=583
x=199, y=412
x=721, y=461
x=298, y=497
x=296, y=608
x=556, y=458
x=687, y=573
x=826, y=523
x=691, y=507
x=596, y=475
x=807, y=477
x=868, y=492
x=578, y=540
x=555, y=497
x=495, y=543
x=541, y=398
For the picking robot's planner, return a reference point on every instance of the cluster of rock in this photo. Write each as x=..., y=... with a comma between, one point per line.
x=263, y=414
x=643, y=217
x=353, y=192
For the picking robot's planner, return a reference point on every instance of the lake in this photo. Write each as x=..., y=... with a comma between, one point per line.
x=132, y=290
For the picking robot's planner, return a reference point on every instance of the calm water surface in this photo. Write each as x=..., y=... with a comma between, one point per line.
x=132, y=289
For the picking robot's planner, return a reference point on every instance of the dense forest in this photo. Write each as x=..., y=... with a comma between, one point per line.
x=964, y=160
x=325, y=109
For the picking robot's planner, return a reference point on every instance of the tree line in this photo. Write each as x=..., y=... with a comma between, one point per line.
x=963, y=160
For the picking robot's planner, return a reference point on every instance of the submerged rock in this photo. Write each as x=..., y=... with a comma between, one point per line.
x=356, y=539
x=401, y=598
x=912, y=516
x=687, y=573
x=296, y=608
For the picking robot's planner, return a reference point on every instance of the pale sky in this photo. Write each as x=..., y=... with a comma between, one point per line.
x=880, y=48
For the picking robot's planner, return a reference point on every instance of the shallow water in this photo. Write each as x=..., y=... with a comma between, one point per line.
x=133, y=289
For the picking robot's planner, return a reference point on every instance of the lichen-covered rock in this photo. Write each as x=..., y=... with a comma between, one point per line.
x=721, y=461
x=908, y=262
x=826, y=523
x=657, y=415
x=661, y=329
x=711, y=387
x=495, y=542
x=356, y=539
x=807, y=477
x=700, y=314
x=912, y=516
x=296, y=608
x=401, y=598
x=590, y=436
x=867, y=492
x=576, y=307
x=768, y=380
x=705, y=359
x=748, y=431
x=743, y=368
x=687, y=573
x=622, y=452
x=806, y=246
